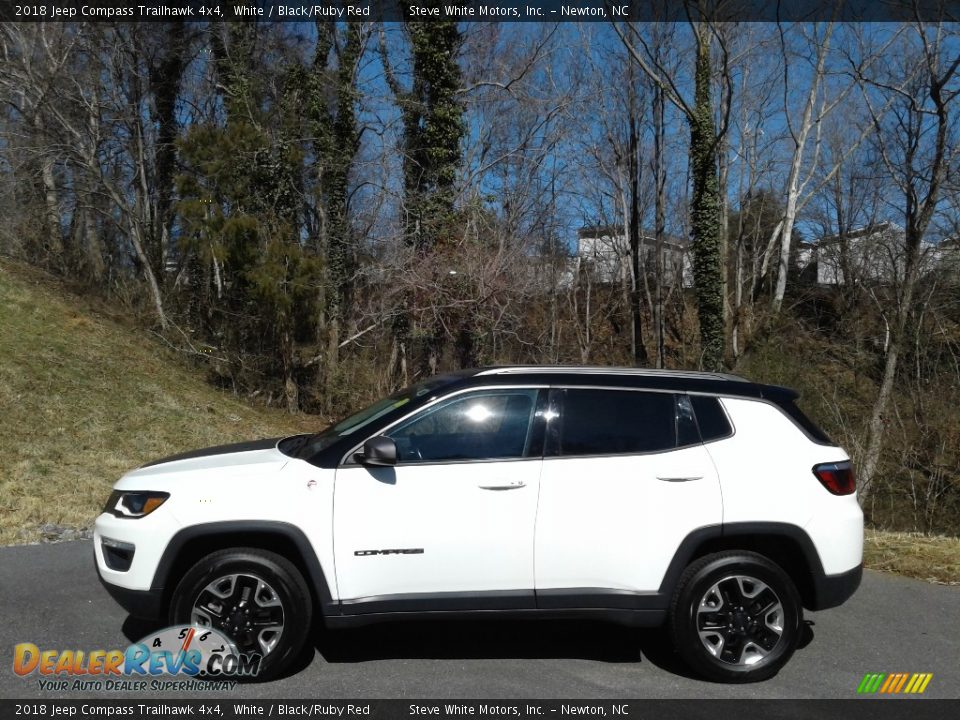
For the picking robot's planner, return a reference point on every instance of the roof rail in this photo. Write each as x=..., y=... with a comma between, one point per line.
x=601, y=370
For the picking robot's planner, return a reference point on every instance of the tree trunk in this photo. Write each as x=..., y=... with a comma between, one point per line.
x=723, y=173
x=807, y=122
x=705, y=212
x=53, y=242
x=640, y=358
x=137, y=242
x=148, y=273
x=877, y=427
x=290, y=389
x=660, y=209
x=90, y=247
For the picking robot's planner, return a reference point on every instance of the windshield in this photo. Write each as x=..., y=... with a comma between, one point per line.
x=305, y=446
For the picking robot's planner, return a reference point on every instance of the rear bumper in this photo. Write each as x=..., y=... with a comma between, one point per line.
x=833, y=590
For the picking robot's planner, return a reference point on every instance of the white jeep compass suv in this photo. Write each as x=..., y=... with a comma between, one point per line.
x=643, y=497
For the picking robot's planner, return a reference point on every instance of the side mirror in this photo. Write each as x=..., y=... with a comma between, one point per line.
x=379, y=450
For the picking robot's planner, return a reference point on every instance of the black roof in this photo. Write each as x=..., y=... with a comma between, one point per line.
x=679, y=381
x=649, y=378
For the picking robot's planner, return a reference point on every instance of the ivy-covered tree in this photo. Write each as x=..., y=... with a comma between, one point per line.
x=433, y=131
x=166, y=68
x=705, y=209
x=331, y=99
x=705, y=137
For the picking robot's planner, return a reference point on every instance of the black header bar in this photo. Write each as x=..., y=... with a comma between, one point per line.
x=210, y=705
x=477, y=10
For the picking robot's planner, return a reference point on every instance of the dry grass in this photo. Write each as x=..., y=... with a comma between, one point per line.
x=931, y=558
x=84, y=399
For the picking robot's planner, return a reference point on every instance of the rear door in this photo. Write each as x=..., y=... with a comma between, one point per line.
x=625, y=478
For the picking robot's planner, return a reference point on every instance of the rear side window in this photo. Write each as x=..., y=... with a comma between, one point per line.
x=711, y=418
x=606, y=422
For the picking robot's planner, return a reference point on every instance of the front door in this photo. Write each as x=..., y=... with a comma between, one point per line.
x=451, y=525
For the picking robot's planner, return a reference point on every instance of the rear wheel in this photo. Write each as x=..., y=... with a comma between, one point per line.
x=735, y=617
x=256, y=598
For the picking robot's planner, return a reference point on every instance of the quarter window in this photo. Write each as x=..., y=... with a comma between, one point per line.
x=605, y=422
x=488, y=425
x=711, y=419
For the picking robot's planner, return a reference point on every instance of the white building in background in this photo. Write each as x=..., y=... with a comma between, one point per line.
x=605, y=252
x=874, y=253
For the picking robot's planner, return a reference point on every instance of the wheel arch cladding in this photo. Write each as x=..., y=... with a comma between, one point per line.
x=786, y=545
x=192, y=543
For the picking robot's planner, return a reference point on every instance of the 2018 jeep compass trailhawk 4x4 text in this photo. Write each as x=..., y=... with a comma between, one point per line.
x=636, y=496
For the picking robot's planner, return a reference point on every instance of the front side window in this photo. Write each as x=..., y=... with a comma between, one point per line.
x=306, y=446
x=613, y=422
x=485, y=425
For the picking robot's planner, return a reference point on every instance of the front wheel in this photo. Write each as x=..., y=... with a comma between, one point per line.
x=735, y=617
x=256, y=598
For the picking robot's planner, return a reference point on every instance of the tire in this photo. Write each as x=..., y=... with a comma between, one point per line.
x=754, y=638
x=279, y=593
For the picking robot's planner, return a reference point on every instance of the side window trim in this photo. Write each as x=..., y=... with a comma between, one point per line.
x=348, y=461
x=686, y=419
x=553, y=421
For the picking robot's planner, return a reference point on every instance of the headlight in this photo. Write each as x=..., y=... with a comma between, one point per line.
x=134, y=503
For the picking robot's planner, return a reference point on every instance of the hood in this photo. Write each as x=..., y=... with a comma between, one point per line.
x=255, y=452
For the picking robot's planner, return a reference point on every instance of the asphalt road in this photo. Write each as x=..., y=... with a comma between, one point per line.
x=50, y=596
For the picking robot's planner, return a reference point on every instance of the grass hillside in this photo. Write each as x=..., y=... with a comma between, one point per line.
x=84, y=399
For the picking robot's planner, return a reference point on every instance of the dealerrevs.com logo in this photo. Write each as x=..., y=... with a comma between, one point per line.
x=175, y=658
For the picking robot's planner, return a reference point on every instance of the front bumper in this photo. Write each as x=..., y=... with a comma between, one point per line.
x=146, y=604
x=143, y=541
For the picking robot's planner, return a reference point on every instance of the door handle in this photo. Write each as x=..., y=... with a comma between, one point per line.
x=503, y=486
x=681, y=479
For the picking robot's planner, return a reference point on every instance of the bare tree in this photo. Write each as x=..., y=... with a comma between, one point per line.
x=34, y=62
x=817, y=105
x=917, y=142
x=705, y=138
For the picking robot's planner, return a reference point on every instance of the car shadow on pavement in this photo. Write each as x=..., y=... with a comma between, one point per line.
x=478, y=639
x=485, y=639
x=481, y=639
x=135, y=629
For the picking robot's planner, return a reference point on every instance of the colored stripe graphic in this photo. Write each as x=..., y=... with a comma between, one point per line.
x=918, y=683
x=903, y=679
x=894, y=683
x=870, y=683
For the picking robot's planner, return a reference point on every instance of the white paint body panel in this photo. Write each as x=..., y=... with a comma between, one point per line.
x=766, y=475
x=610, y=522
x=473, y=539
x=262, y=485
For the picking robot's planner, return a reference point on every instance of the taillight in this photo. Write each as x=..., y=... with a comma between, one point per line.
x=836, y=477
